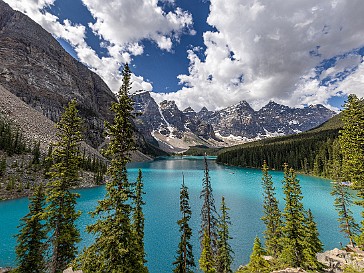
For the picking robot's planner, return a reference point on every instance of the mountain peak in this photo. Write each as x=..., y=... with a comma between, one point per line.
x=203, y=110
x=189, y=110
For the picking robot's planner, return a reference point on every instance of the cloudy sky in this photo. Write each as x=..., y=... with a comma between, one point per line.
x=216, y=53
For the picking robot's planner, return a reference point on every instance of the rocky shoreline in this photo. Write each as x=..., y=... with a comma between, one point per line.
x=335, y=261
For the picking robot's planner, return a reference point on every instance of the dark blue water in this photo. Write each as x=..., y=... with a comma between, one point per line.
x=162, y=180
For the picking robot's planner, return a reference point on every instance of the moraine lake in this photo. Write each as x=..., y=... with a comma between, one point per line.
x=162, y=181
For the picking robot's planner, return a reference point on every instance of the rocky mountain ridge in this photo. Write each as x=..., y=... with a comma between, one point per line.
x=176, y=130
x=36, y=68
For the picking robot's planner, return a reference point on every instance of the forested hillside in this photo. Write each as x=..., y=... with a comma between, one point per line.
x=310, y=152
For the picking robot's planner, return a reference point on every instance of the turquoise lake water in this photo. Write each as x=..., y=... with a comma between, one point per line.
x=162, y=181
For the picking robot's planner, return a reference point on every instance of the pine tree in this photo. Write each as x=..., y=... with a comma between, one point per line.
x=36, y=153
x=115, y=249
x=208, y=210
x=224, y=250
x=61, y=213
x=31, y=241
x=343, y=201
x=313, y=244
x=293, y=230
x=257, y=263
x=3, y=166
x=352, y=142
x=207, y=264
x=138, y=219
x=48, y=162
x=272, y=215
x=185, y=260
x=352, y=146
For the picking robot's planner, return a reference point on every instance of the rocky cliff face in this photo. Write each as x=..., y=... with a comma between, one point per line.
x=36, y=68
x=228, y=126
x=161, y=123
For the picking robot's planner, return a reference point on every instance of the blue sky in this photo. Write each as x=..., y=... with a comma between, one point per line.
x=216, y=53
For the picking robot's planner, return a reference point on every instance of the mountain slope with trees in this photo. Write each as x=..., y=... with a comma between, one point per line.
x=310, y=152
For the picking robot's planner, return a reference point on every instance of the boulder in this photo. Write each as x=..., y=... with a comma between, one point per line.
x=70, y=270
x=290, y=270
x=337, y=259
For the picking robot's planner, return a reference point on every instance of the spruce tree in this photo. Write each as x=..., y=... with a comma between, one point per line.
x=115, y=248
x=300, y=238
x=272, y=215
x=352, y=146
x=313, y=244
x=208, y=211
x=352, y=142
x=138, y=219
x=224, y=251
x=36, y=153
x=343, y=201
x=61, y=213
x=31, y=240
x=185, y=261
x=3, y=166
x=257, y=263
x=343, y=197
x=207, y=262
x=293, y=229
x=48, y=162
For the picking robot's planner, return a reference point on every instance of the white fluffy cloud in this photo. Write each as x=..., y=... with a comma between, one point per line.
x=354, y=84
x=120, y=25
x=268, y=49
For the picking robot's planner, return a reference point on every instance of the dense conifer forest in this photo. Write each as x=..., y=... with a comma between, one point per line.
x=11, y=138
x=23, y=166
x=311, y=152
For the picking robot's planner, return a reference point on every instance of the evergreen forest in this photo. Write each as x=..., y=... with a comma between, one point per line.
x=312, y=152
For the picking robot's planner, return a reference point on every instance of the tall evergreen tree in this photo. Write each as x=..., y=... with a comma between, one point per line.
x=224, y=251
x=343, y=201
x=343, y=197
x=208, y=210
x=272, y=215
x=48, y=161
x=206, y=261
x=208, y=221
x=257, y=263
x=31, y=240
x=138, y=219
x=185, y=261
x=115, y=248
x=61, y=213
x=300, y=238
x=313, y=244
x=36, y=153
x=3, y=166
x=293, y=230
x=352, y=145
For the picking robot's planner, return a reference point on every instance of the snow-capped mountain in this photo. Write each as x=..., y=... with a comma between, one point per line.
x=175, y=130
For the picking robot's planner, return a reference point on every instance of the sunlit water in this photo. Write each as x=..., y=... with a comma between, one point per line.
x=162, y=181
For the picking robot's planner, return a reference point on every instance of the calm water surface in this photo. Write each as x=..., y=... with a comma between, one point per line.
x=162, y=180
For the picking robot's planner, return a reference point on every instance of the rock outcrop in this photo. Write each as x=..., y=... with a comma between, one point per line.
x=290, y=270
x=337, y=259
x=70, y=270
x=36, y=68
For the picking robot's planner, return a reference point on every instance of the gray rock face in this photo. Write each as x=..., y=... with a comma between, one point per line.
x=337, y=259
x=167, y=119
x=36, y=68
x=236, y=120
x=239, y=121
